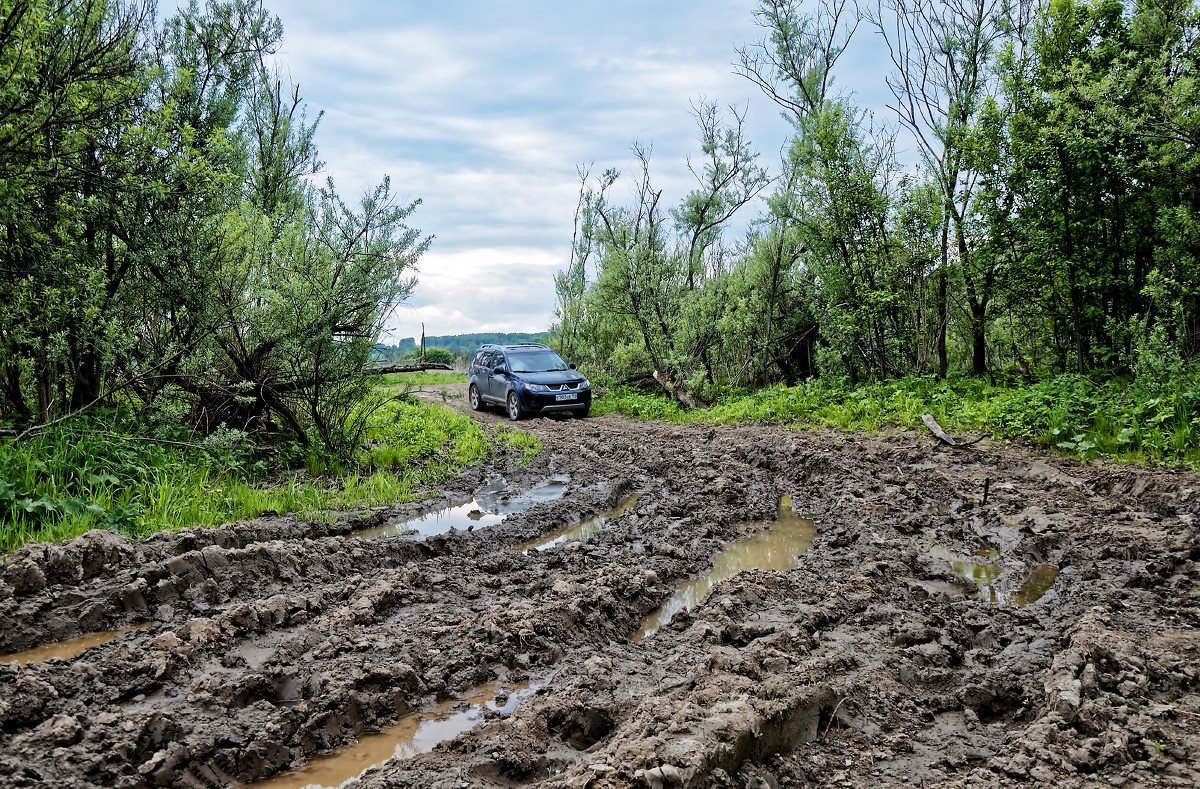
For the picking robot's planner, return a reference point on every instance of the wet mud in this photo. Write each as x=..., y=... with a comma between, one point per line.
x=417, y=732
x=582, y=531
x=68, y=649
x=919, y=636
x=492, y=503
x=777, y=546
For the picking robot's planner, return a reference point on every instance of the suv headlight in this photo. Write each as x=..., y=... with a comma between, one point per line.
x=585, y=385
x=537, y=387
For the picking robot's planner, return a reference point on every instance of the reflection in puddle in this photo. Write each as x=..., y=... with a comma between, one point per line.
x=582, y=531
x=774, y=548
x=72, y=647
x=414, y=734
x=995, y=585
x=492, y=504
x=1039, y=581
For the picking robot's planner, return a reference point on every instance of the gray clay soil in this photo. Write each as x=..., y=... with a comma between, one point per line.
x=873, y=663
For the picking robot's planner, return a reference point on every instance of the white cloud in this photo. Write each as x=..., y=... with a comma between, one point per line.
x=494, y=289
x=483, y=111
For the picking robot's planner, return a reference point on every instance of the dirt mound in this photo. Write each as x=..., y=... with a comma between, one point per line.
x=878, y=660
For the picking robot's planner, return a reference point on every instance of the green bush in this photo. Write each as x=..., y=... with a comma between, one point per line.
x=439, y=356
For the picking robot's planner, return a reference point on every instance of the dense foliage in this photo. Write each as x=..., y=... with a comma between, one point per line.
x=163, y=246
x=1050, y=226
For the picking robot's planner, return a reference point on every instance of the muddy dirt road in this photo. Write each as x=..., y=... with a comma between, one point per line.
x=911, y=633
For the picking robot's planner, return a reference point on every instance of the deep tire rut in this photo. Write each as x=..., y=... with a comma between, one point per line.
x=872, y=663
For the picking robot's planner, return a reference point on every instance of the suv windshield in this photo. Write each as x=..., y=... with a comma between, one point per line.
x=536, y=361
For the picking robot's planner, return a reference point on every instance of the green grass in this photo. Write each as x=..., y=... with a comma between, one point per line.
x=427, y=378
x=1114, y=418
x=528, y=444
x=104, y=473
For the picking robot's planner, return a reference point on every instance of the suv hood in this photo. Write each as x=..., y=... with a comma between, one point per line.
x=552, y=377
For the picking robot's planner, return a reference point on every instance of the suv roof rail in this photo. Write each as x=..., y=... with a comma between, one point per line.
x=494, y=346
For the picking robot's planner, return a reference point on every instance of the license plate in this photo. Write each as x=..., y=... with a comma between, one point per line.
x=562, y=397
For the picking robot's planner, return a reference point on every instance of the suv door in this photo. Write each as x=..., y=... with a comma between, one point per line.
x=497, y=384
x=478, y=373
x=482, y=374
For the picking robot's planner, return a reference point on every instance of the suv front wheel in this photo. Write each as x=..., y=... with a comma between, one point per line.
x=515, y=412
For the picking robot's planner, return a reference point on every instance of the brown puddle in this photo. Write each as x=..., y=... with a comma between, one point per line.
x=995, y=585
x=492, y=504
x=416, y=733
x=69, y=649
x=777, y=547
x=1039, y=581
x=582, y=531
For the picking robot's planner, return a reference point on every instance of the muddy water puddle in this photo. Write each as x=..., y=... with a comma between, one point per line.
x=70, y=648
x=415, y=734
x=491, y=505
x=582, y=531
x=996, y=585
x=777, y=547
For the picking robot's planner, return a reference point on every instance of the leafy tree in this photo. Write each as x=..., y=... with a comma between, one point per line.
x=161, y=239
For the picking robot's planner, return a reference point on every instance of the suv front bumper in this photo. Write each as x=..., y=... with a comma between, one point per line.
x=548, y=402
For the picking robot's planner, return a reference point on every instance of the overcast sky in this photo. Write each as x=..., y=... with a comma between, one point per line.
x=483, y=109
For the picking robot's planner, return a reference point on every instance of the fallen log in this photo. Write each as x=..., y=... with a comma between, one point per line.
x=676, y=391
x=384, y=369
x=944, y=437
x=639, y=381
x=937, y=431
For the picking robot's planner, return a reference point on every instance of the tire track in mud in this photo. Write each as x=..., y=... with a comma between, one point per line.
x=871, y=663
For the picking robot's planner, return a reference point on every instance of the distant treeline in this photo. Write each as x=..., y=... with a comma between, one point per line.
x=461, y=345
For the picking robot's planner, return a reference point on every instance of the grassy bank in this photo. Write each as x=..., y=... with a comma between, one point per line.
x=112, y=472
x=1115, y=418
x=426, y=378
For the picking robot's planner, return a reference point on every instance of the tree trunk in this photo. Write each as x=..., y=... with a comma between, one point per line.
x=13, y=393
x=978, y=342
x=86, y=388
x=676, y=391
x=943, y=312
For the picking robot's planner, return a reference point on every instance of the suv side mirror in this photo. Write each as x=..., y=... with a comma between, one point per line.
x=498, y=370
x=570, y=365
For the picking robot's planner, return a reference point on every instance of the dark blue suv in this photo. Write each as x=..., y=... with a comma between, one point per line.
x=528, y=378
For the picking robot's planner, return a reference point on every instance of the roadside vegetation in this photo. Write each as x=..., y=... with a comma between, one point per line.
x=427, y=378
x=188, y=308
x=1035, y=273
x=111, y=470
x=1118, y=418
x=166, y=244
